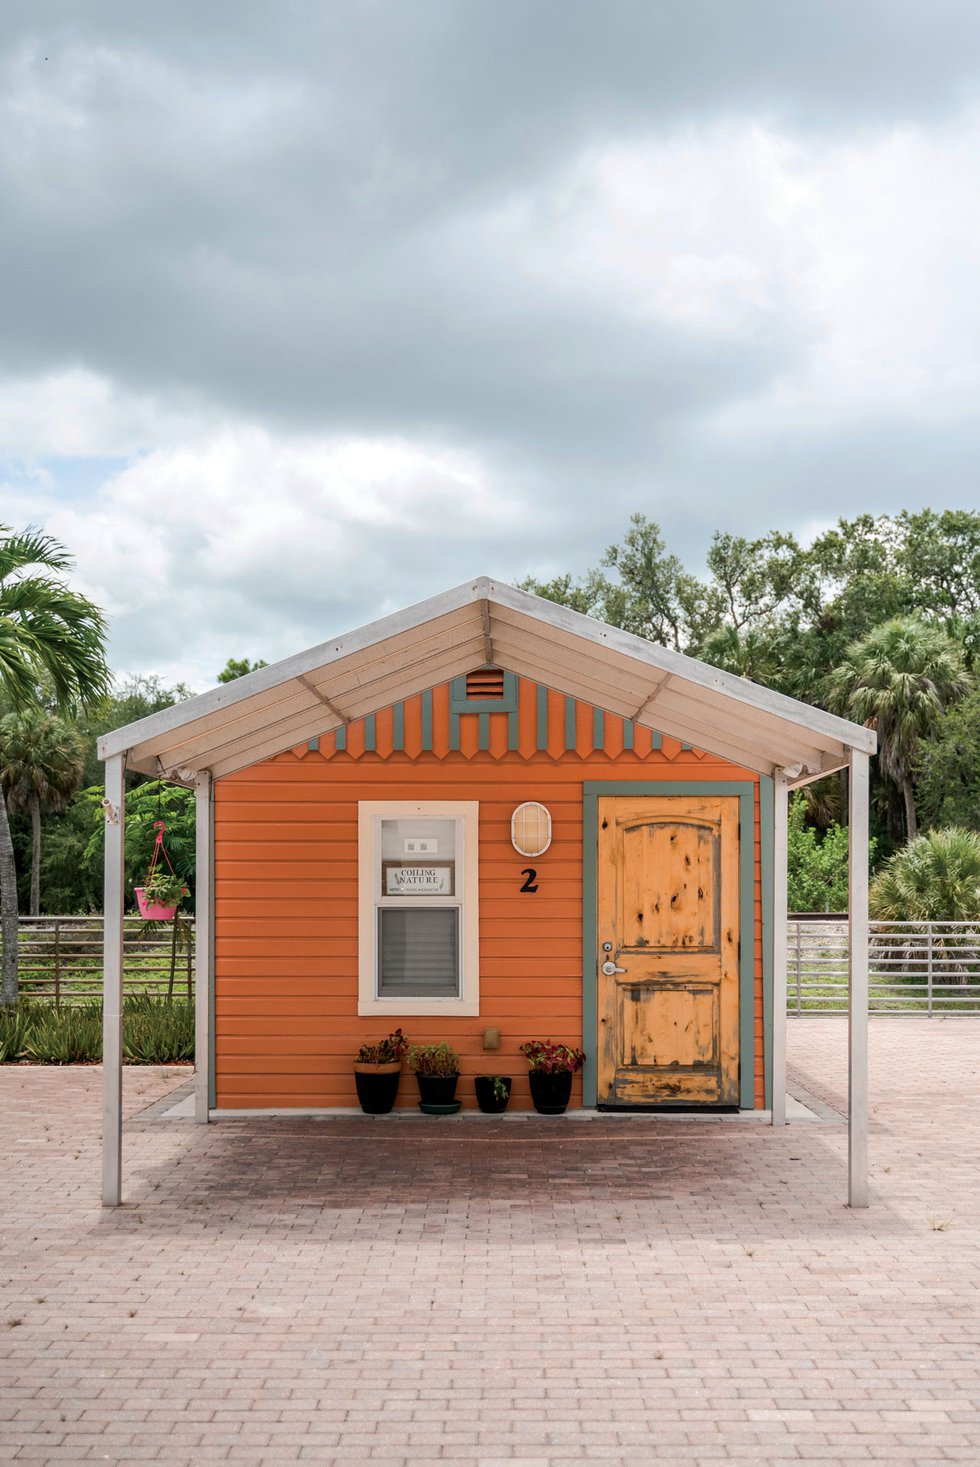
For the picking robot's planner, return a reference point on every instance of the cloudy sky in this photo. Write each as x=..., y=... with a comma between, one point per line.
x=311, y=309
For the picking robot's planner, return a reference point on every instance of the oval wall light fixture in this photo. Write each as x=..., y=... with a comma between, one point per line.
x=530, y=829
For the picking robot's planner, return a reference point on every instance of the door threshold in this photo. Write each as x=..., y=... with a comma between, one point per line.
x=669, y=1109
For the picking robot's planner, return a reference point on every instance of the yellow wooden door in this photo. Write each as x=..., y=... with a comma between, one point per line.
x=668, y=937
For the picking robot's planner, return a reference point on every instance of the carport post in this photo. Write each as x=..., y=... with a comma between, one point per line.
x=114, y=806
x=857, y=1007
x=780, y=917
x=202, y=949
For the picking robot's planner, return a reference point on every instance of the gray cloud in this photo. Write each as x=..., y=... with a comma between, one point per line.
x=623, y=256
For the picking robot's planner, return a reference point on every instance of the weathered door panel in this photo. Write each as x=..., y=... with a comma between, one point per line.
x=668, y=910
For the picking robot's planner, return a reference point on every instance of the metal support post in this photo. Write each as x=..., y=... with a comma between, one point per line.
x=114, y=806
x=857, y=1008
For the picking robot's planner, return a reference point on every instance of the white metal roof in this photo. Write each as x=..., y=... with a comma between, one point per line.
x=485, y=621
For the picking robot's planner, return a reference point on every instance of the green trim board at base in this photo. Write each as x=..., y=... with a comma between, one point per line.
x=745, y=791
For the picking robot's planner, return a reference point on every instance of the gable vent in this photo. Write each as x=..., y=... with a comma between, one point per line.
x=487, y=682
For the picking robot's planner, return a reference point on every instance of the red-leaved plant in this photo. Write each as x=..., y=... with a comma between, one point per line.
x=551, y=1058
x=385, y=1052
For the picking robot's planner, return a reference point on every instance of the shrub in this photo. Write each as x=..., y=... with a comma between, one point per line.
x=935, y=878
x=817, y=866
x=155, y=1032
x=433, y=1059
x=552, y=1058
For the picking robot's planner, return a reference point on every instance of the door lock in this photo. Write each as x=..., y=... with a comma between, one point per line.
x=607, y=947
x=609, y=968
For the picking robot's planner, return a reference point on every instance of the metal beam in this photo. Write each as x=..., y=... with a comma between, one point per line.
x=857, y=1007
x=114, y=806
x=202, y=949
x=780, y=911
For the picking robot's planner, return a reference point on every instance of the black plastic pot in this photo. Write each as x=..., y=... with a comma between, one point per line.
x=437, y=1089
x=550, y=1093
x=485, y=1097
x=377, y=1087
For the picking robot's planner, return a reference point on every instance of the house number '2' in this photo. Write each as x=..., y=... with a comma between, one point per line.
x=531, y=883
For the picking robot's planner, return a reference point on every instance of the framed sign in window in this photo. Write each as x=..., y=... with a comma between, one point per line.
x=411, y=878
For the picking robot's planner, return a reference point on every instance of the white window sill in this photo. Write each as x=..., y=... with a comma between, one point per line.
x=418, y=1007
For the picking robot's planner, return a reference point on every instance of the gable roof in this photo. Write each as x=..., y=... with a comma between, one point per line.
x=485, y=622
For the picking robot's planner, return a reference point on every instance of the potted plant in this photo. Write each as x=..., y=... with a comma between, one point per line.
x=492, y=1093
x=551, y=1067
x=160, y=896
x=436, y=1068
x=377, y=1070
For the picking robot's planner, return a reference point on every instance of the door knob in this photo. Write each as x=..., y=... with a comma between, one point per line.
x=609, y=968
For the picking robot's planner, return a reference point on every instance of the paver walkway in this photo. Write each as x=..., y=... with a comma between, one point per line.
x=541, y=1293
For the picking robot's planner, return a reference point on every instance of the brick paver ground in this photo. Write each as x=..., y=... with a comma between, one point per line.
x=531, y=1294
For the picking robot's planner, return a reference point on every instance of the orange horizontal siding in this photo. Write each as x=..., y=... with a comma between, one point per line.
x=286, y=1024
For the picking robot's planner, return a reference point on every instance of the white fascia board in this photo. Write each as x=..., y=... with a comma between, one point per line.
x=854, y=735
x=121, y=740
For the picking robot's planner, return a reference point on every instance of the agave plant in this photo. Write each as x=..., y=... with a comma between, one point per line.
x=935, y=878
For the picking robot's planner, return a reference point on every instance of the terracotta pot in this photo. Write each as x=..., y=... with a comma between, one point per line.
x=377, y=1086
x=152, y=911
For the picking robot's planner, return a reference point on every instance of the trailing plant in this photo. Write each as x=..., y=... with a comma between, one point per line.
x=433, y=1059
x=388, y=1051
x=501, y=1086
x=165, y=889
x=551, y=1058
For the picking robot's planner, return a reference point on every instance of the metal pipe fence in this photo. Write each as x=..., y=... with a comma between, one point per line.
x=914, y=967
x=60, y=958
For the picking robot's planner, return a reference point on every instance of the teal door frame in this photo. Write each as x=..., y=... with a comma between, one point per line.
x=745, y=791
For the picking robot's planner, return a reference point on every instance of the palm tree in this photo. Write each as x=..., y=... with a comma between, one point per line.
x=42, y=761
x=49, y=635
x=935, y=878
x=898, y=679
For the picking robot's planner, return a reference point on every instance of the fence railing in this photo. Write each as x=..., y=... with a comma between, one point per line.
x=60, y=958
x=913, y=967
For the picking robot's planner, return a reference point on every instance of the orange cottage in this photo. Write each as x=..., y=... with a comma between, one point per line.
x=486, y=820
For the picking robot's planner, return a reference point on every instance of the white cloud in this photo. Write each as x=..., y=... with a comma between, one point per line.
x=249, y=544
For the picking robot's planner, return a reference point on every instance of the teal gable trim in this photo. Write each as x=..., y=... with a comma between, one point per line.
x=459, y=703
x=656, y=739
x=570, y=725
x=484, y=731
x=766, y=859
x=427, y=721
x=340, y=738
x=398, y=726
x=312, y=745
x=370, y=737
x=542, y=699
x=745, y=791
x=627, y=733
x=598, y=729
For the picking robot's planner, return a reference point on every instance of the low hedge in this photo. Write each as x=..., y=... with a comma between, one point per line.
x=155, y=1032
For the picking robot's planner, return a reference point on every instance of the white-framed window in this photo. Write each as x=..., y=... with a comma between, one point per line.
x=418, y=907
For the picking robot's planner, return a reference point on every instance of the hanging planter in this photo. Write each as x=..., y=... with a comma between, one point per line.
x=163, y=890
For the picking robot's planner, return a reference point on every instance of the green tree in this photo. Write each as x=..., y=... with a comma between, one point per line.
x=947, y=767
x=935, y=878
x=898, y=679
x=151, y=801
x=817, y=866
x=49, y=636
x=238, y=667
x=42, y=760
